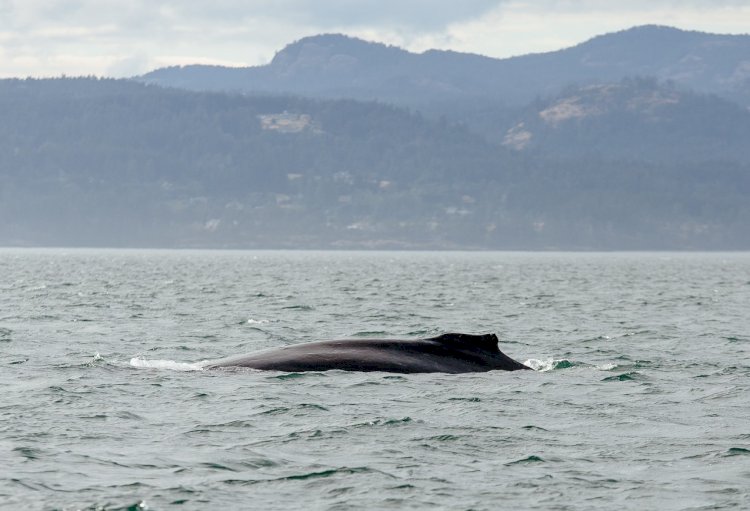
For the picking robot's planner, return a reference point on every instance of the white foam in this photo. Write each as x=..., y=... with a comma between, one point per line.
x=252, y=321
x=540, y=365
x=551, y=363
x=171, y=365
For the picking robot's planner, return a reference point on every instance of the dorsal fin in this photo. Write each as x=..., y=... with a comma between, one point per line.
x=487, y=342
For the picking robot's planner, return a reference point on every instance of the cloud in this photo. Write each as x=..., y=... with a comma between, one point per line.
x=519, y=27
x=421, y=15
x=130, y=65
x=413, y=14
x=130, y=34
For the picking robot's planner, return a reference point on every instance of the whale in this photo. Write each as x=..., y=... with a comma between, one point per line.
x=447, y=353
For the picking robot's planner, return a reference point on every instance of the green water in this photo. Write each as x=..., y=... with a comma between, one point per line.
x=640, y=400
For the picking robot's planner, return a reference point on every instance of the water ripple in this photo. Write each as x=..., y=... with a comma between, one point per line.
x=639, y=400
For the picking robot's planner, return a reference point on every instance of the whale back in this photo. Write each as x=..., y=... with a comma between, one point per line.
x=447, y=353
x=486, y=342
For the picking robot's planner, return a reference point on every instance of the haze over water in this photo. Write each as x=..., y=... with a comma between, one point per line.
x=640, y=400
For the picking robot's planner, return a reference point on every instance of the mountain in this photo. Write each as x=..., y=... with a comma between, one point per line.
x=87, y=162
x=111, y=162
x=336, y=66
x=639, y=119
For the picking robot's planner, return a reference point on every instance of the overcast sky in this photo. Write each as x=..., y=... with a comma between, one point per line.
x=128, y=37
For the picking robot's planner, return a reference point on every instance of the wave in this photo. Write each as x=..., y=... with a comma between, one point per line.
x=171, y=365
x=551, y=364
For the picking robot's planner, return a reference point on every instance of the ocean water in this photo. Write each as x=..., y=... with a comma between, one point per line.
x=641, y=398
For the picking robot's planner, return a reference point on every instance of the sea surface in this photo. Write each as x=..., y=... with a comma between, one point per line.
x=640, y=400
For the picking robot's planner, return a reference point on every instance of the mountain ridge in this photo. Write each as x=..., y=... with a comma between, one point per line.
x=336, y=65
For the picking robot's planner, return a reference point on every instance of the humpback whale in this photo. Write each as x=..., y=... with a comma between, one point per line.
x=447, y=353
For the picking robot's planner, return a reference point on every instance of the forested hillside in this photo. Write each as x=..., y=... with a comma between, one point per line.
x=117, y=163
x=633, y=119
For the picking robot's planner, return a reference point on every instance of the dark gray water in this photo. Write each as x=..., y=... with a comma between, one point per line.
x=641, y=400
